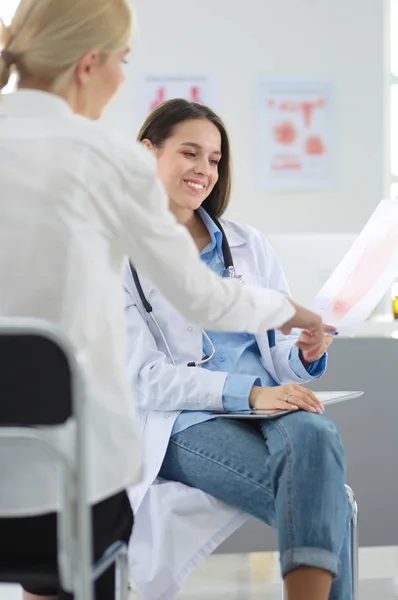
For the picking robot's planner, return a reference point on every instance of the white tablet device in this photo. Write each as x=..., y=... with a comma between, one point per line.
x=326, y=398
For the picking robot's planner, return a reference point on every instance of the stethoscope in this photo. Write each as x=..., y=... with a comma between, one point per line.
x=229, y=266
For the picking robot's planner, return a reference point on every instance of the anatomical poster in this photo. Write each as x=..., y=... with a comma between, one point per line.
x=155, y=89
x=295, y=134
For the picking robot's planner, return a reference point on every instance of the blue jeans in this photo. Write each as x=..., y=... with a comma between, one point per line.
x=289, y=472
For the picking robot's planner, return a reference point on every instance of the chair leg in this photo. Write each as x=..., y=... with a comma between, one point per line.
x=121, y=576
x=354, y=544
x=84, y=582
x=74, y=550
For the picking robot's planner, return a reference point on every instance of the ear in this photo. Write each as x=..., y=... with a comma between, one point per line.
x=148, y=144
x=86, y=65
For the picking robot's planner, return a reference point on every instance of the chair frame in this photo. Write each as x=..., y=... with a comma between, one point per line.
x=354, y=543
x=77, y=571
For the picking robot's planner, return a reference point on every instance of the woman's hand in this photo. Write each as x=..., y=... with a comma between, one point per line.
x=309, y=322
x=312, y=350
x=284, y=397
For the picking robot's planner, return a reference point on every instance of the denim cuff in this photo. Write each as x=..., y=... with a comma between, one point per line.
x=318, y=558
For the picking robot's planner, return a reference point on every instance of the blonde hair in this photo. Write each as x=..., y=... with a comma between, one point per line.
x=47, y=38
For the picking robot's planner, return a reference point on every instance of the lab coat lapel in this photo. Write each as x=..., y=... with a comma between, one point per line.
x=184, y=339
x=246, y=264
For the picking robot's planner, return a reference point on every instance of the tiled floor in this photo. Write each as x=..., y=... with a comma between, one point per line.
x=255, y=577
x=370, y=590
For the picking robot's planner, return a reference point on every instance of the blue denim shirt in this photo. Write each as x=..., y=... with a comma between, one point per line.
x=236, y=353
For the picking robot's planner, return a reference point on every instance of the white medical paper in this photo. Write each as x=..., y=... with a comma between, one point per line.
x=365, y=273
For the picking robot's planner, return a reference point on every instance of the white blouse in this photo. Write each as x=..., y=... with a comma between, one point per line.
x=74, y=200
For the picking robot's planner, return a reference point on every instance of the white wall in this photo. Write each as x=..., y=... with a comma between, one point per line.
x=241, y=41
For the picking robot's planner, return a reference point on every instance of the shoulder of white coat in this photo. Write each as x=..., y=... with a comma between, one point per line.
x=237, y=230
x=119, y=150
x=261, y=252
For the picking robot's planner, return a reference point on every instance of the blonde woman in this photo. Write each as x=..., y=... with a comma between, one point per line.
x=75, y=199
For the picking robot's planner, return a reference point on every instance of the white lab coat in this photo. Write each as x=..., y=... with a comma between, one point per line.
x=177, y=526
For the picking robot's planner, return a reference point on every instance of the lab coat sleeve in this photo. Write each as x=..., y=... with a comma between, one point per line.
x=164, y=253
x=315, y=369
x=284, y=353
x=158, y=384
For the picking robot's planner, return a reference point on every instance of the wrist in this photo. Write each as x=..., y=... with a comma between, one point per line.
x=253, y=396
x=308, y=362
x=304, y=362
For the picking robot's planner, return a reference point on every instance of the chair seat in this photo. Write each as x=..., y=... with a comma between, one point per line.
x=28, y=574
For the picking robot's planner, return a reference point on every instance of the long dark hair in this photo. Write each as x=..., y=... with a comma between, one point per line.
x=160, y=125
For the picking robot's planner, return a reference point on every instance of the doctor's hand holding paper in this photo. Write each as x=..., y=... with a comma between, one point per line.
x=294, y=396
x=313, y=347
x=311, y=323
x=203, y=474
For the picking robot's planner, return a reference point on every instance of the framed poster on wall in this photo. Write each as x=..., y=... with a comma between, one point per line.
x=294, y=129
x=155, y=89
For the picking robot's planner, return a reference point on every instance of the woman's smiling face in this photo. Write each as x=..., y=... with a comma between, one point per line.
x=187, y=163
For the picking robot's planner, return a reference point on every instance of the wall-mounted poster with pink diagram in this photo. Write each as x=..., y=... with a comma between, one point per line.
x=295, y=134
x=155, y=89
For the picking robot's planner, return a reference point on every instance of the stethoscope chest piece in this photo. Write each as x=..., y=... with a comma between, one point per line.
x=233, y=275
